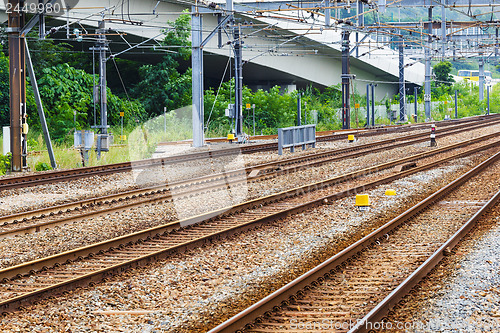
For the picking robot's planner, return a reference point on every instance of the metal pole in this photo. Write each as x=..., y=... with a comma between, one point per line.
x=488, y=99
x=427, y=88
x=481, y=77
x=373, y=103
x=24, y=114
x=415, y=90
x=346, y=107
x=16, y=70
x=456, y=104
x=41, y=21
x=101, y=43
x=39, y=105
x=401, y=83
x=328, y=13
x=299, y=110
x=368, y=105
x=253, y=107
x=443, y=28
x=197, y=77
x=165, y=119
x=238, y=66
x=496, y=40
x=361, y=22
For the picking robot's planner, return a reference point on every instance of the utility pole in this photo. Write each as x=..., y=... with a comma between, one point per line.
x=361, y=22
x=328, y=13
x=401, y=83
x=496, y=42
x=427, y=88
x=373, y=85
x=238, y=78
x=299, y=110
x=368, y=105
x=197, y=79
x=346, y=108
x=443, y=28
x=481, y=77
x=198, y=43
x=415, y=89
x=17, y=81
x=488, y=100
x=101, y=47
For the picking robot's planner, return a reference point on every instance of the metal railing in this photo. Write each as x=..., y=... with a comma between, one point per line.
x=290, y=137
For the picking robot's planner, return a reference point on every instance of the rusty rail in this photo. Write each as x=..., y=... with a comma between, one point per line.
x=78, y=173
x=287, y=293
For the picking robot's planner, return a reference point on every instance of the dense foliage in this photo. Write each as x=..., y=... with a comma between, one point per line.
x=273, y=108
x=4, y=90
x=5, y=162
x=442, y=74
x=65, y=91
x=161, y=84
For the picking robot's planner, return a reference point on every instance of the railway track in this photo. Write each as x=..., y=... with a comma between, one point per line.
x=41, y=219
x=78, y=173
x=27, y=282
x=354, y=290
x=341, y=133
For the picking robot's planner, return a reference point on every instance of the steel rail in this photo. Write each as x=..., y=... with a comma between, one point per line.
x=78, y=173
x=141, y=239
x=378, y=313
x=342, y=132
x=282, y=296
x=263, y=171
x=164, y=190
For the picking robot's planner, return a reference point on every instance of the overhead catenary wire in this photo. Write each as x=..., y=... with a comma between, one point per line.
x=217, y=94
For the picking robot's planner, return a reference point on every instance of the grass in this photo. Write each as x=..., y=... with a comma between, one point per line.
x=140, y=144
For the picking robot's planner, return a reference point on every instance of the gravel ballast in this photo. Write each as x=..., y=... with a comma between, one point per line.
x=195, y=290
x=463, y=293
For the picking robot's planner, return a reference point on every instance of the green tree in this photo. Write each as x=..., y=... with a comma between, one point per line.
x=65, y=90
x=161, y=84
x=4, y=90
x=442, y=72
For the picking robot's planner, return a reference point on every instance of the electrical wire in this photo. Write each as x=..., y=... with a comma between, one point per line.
x=218, y=90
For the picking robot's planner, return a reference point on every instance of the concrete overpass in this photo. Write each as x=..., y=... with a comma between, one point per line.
x=287, y=50
x=311, y=59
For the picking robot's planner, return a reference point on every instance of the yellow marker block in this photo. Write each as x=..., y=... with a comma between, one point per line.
x=350, y=137
x=390, y=192
x=362, y=200
x=230, y=136
x=123, y=137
